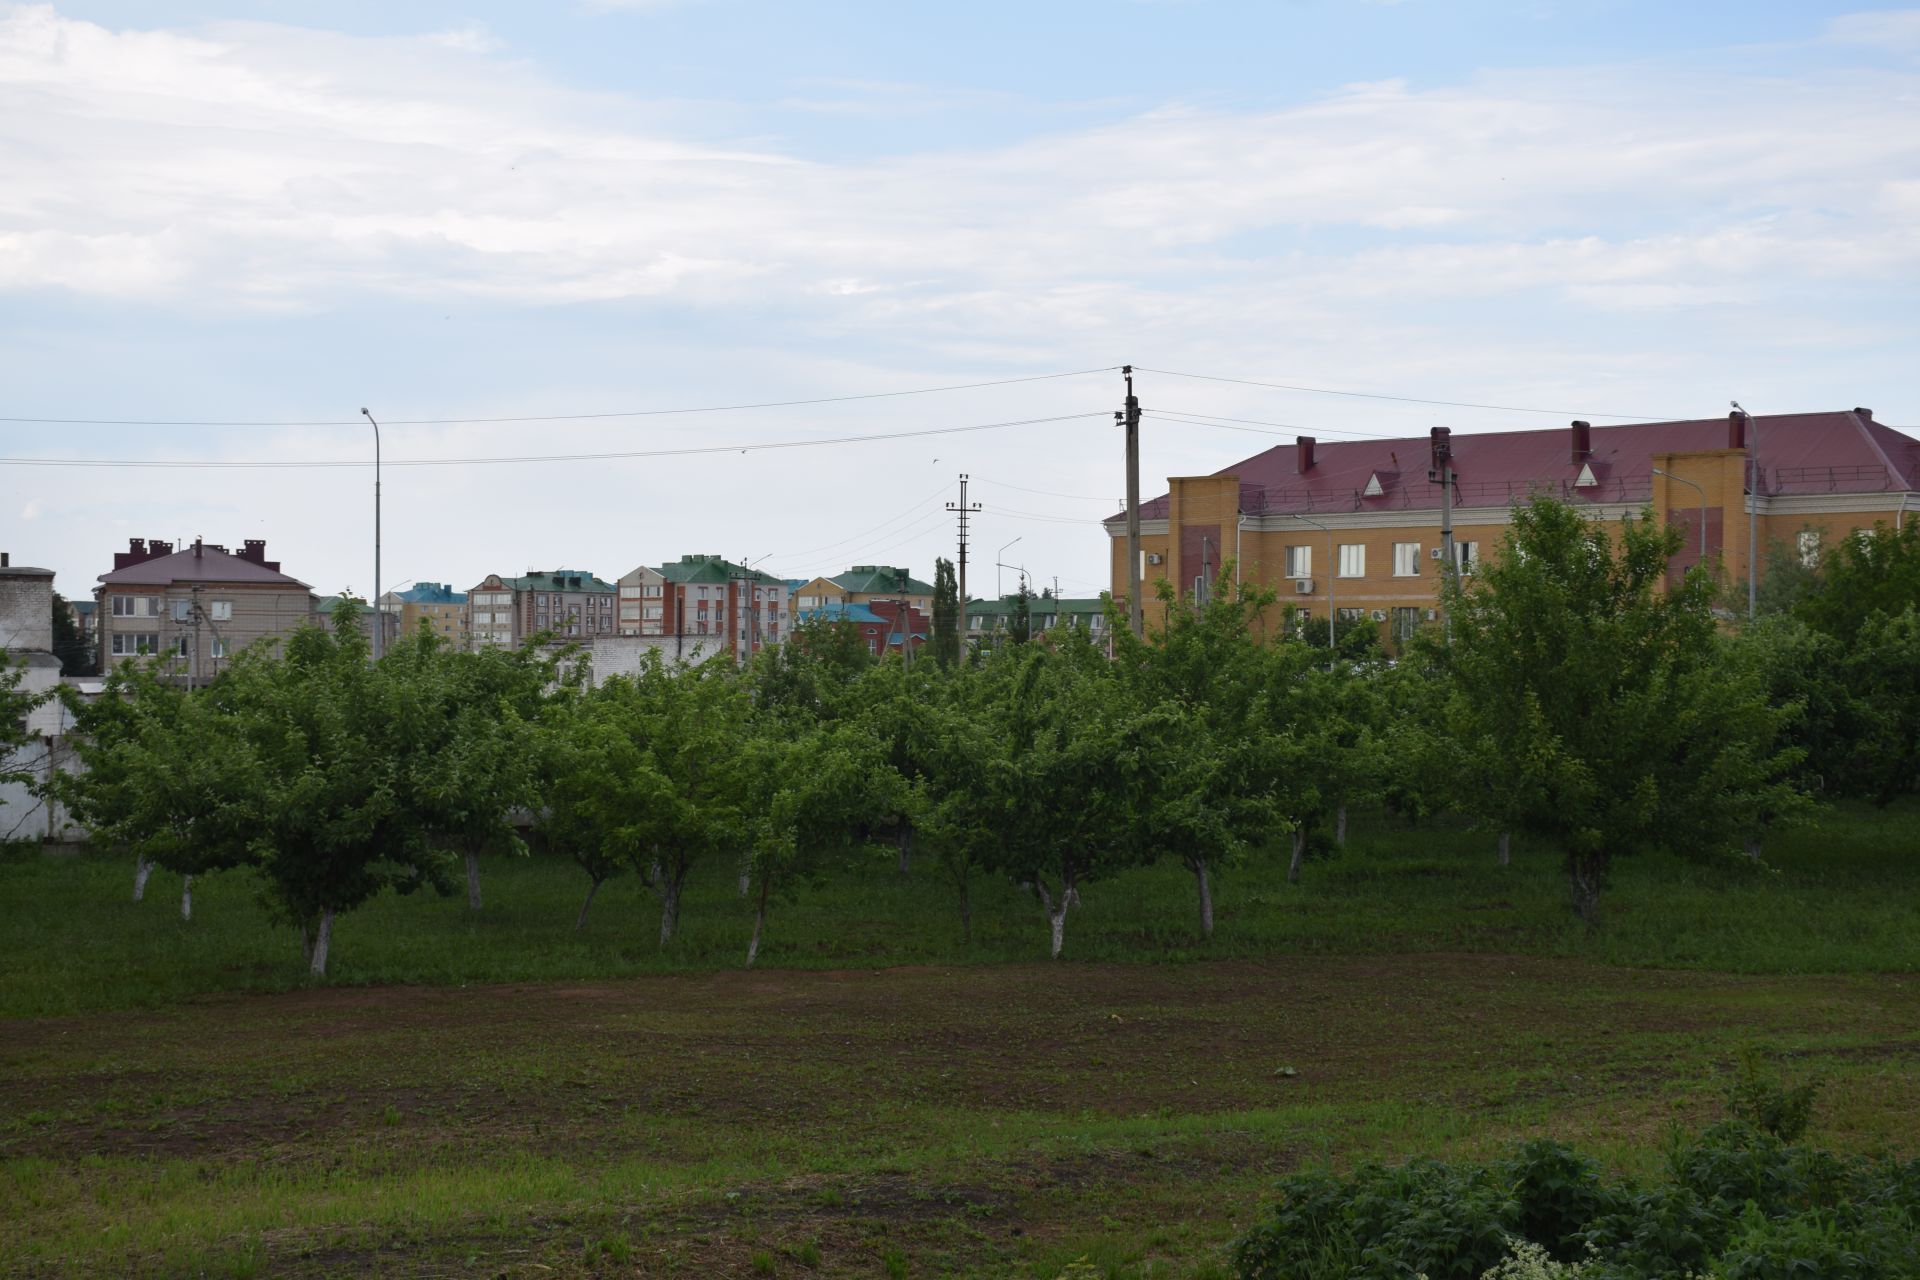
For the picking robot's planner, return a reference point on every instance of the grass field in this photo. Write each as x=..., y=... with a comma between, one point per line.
x=879, y=1101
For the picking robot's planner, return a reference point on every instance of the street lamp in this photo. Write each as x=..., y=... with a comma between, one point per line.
x=999, y=588
x=1703, y=506
x=1753, y=509
x=1332, y=570
x=379, y=619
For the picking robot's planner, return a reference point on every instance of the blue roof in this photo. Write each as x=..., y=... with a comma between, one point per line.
x=433, y=593
x=840, y=613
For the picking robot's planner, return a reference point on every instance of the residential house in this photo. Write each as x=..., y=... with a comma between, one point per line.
x=197, y=606
x=433, y=605
x=879, y=625
x=322, y=616
x=1354, y=526
x=989, y=618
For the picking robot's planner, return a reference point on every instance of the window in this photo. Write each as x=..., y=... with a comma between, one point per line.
x=1300, y=562
x=703, y=593
x=1353, y=559
x=1466, y=555
x=1406, y=559
x=1807, y=543
x=136, y=606
x=219, y=648
x=178, y=647
x=1404, y=621
x=540, y=600
x=651, y=589
x=651, y=613
x=629, y=612
x=1350, y=615
x=126, y=644
x=182, y=610
x=220, y=610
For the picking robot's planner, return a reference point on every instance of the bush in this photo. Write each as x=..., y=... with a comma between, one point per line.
x=1736, y=1203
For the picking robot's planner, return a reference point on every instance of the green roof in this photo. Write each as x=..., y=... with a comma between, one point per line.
x=558, y=580
x=711, y=569
x=1037, y=605
x=871, y=579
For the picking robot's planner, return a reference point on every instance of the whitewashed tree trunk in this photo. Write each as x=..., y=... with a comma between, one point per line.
x=580, y=922
x=759, y=922
x=1753, y=847
x=1506, y=847
x=669, y=905
x=1299, y=855
x=186, y=898
x=322, y=940
x=473, y=880
x=141, y=870
x=1057, y=920
x=1340, y=826
x=746, y=876
x=904, y=837
x=1199, y=866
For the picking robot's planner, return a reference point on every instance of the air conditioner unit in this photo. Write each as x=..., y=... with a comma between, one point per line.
x=1379, y=615
x=1434, y=554
x=1303, y=586
x=1153, y=557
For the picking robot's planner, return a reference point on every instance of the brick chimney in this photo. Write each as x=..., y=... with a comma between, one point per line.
x=1736, y=430
x=1303, y=454
x=1582, y=440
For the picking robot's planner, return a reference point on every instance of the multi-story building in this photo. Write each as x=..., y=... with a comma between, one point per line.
x=689, y=603
x=986, y=618
x=878, y=625
x=195, y=607
x=323, y=608
x=569, y=604
x=26, y=644
x=1354, y=526
x=864, y=584
x=433, y=605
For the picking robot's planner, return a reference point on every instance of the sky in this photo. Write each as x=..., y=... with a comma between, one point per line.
x=575, y=215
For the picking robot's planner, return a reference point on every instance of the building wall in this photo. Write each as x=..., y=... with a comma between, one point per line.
x=238, y=614
x=623, y=655
x=26, y=612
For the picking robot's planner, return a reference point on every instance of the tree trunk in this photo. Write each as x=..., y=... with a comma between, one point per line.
x=1299, y=855
x=580, y=922
x=1056, y=919
x=1340, y=826
x=1506, y=843
x=473, y=880
x=670, y=905
x=746, y=876
x=322, y=940
x=759, y=920
x=904, y=837
x=1753, y=847
x=1199, y=866
x=141, y=870
x=186, y=898
x=1583, y=877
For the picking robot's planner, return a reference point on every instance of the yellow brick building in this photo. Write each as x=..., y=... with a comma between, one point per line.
x=1355, y=526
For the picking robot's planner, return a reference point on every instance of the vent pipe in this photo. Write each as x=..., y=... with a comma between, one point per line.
x=1736, y=430
x=1582, y=440
x=1303, y=454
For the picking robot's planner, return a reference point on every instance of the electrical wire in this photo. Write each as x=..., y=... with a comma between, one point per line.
x=168, y=464
x=1050, y=493
x=1380, y=395
x=917, y=504
x=569, y=417
x=1279, y=428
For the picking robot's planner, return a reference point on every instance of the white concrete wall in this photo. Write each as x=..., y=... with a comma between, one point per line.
x=622, y=655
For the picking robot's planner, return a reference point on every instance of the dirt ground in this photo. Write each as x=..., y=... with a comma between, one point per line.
x=1000, y=1121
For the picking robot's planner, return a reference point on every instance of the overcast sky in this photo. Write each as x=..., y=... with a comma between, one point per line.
x=279, y=212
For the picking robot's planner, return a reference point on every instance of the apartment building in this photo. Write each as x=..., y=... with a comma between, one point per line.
x=195, y=607
x=570, y=604
x=986, y=618
x=864, y=584
x=1354, y=526
x=691, y=602
x=433, y=605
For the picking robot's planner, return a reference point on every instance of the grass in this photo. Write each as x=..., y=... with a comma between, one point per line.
x=1836, y=898
x=494, y=1094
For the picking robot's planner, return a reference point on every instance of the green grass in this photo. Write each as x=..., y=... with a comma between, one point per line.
x=1833, y=898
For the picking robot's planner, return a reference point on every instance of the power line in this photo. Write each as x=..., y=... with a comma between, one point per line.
x=1380, y=395
x=1034, y=515
x=854, y=537
x=1189, y=417
x=755, y=447
x=1049, y=493
x=904, y=532
x=568, y=417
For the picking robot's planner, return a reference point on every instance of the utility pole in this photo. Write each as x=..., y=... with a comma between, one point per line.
x=1130, y=417
x=1753, y=509
x=1441, y=473
x=379, y=620
x=962, y=510
x=195, y=678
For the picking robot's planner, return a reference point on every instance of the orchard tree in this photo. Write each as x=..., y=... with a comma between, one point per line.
x=1594, y=710
x=1871, y=572
x=340, y=742
x=943, y=749
x=1067, y=781
x=166, y=776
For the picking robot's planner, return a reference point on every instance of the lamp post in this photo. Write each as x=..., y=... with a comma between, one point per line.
x=1753, y=509
x=1332, y=571
x=379, y=619
x=1703, y=506
x=999, y=587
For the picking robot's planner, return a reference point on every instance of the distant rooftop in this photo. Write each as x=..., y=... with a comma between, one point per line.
x=154, y=563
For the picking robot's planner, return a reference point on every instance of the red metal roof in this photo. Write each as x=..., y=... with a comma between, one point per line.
x=211, y=565
x=1836, y=452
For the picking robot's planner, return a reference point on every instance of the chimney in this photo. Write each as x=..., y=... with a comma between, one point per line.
x=1303, y=454
x=6, y=559
x=196, y=548
x=1865, y=415
x=1736, y=430
x=1582, y=440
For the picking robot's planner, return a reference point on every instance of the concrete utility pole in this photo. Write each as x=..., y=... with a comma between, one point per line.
x=1753, y=509
x=1130, y=417
x=379, y=619
x=1441, y=473
x=963, y=511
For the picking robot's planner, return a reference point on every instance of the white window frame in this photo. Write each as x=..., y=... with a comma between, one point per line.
x=1353, y=560
x=1807, y=544
x=1466, y=555
x=220, y=610
x=1300, y=561
x=1406, y=559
